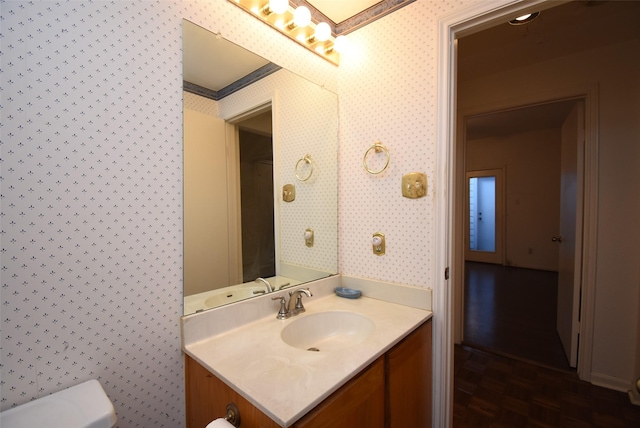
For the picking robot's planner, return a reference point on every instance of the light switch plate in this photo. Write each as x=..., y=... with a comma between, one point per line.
x=288, y=193
x=414, y=185
x=379, y=244
x=309, y=236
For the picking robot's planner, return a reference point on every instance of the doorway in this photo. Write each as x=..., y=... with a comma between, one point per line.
x=538, y=146
x=484, y=218
x=257, y=204
x=252, y=195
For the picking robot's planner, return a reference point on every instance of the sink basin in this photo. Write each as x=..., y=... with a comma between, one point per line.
x=327, y=331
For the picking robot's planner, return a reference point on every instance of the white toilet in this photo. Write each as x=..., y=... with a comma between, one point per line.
x=82, y=406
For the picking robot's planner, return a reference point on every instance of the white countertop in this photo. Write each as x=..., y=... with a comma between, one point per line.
x=285, y=382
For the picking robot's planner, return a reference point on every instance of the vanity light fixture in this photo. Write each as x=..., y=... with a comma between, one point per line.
x=323, y=32
x=524, y=19
x=297, y=25
x=276, y=6
x=302, y=16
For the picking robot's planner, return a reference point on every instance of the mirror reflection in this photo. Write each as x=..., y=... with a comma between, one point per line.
x=250, y=129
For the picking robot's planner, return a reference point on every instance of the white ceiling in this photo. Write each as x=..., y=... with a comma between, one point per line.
x=341, y=10
x=544, y=116
x=205, y=56
x=569, y=28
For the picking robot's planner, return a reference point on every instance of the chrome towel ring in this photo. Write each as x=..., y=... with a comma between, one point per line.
x=305, y=160
x=377, y=148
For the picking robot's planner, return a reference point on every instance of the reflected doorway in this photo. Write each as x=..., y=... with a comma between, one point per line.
x=256, y=196
x=254, y=145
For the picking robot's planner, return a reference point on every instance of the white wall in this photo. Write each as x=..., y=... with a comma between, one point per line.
x=532, y=200
x=206, y=255
x=615, y=73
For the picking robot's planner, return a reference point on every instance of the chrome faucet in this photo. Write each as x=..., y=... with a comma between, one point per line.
x=286, y=311
x=298, y=308
x=266, y=283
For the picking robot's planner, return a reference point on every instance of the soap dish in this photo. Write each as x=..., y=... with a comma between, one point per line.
x=348, y=293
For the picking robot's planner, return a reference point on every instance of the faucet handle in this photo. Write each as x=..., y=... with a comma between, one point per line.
x=284, y=312
x=299, y=307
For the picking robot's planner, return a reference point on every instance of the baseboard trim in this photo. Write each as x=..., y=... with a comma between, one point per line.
x=610, y=382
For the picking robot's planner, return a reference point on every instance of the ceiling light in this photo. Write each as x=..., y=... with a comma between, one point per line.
x=524, y=19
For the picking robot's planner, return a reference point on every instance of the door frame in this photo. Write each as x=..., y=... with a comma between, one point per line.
x=232, y=118
x=449, y=253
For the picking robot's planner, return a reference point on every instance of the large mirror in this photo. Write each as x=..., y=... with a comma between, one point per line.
x=260, y=174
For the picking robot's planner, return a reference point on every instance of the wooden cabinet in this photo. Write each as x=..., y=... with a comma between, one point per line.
x=207, y=398
x=393, y=392
x=408, y=368
x=359, y=403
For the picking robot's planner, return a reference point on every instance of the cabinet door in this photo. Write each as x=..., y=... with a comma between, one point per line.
x=207, y=398
x=359, y=403
x=409, y=380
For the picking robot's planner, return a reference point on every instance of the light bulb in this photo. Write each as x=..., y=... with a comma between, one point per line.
x=323, y=32
x=278, y=6
x=302, y=16
x=341, y=44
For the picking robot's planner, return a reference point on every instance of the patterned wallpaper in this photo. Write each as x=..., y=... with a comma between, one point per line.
x=91, y=182
x=91, y=195
x=387, y=90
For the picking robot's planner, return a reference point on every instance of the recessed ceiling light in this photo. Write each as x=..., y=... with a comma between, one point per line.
x=524, y=19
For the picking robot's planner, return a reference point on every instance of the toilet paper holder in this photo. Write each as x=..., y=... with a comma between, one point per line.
x=233, y=415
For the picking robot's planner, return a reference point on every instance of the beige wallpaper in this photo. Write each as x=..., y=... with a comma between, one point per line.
x=387, y=89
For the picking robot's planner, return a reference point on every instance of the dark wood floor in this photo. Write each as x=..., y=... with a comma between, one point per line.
x=496, y=391
x=512, y=311
x=511, y=370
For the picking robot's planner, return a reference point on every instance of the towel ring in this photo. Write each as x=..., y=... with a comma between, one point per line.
x=306, y=159
x=377, y=147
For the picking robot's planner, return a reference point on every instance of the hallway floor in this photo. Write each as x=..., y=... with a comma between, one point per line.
x=512, y=312
x=511, y=370
x=496, y=391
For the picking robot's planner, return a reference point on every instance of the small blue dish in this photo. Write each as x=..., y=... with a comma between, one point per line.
x=348, y=293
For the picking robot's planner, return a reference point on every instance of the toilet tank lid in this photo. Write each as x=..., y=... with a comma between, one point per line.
x=81, y=406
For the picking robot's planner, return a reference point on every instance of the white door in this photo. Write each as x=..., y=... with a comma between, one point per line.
x=484, y=218
x=570, y=237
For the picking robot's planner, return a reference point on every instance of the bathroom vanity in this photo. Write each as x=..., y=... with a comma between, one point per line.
x=379, y=377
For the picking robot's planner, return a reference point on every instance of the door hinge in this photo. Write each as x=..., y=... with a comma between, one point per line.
x=446, y=273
